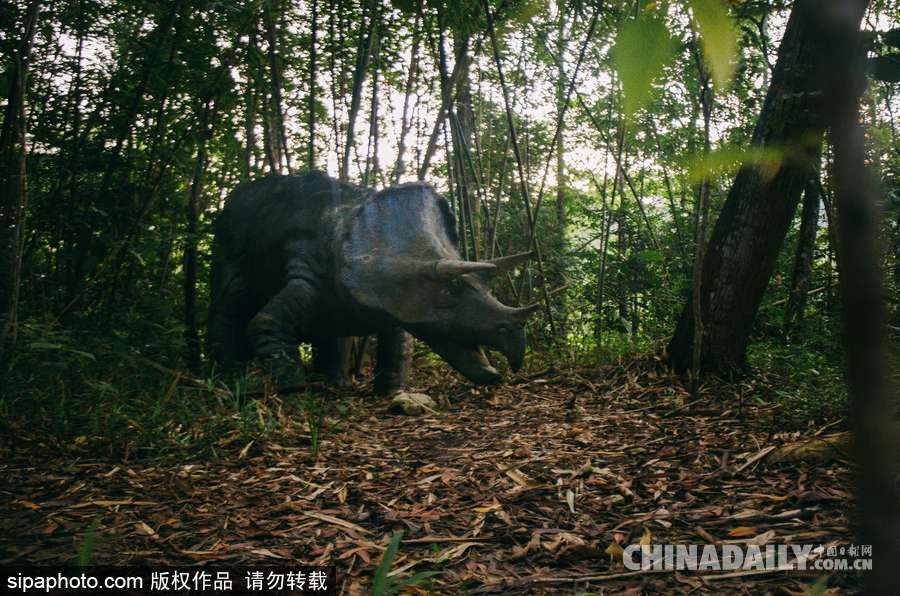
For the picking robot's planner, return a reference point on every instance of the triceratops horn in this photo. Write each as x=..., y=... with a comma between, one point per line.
x=450, y=268
x=526, y=311
x=508, y=262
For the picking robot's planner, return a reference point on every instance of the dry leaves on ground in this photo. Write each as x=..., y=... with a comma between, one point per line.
x=534, y=487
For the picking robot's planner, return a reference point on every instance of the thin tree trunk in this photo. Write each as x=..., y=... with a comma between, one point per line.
x=367, y=38
x=559, y=277
x=334, y=82
x=411, y=79
x=806, y=244
x=311, y=106
x=13, y=201
x=465, y=129
x=279, y=131
x=701, y=209
x=68, y=181
x=520, y=167
x=370, y=177
x=561, y=105
x=249, y=162
x=191, y=335
x=447, y=96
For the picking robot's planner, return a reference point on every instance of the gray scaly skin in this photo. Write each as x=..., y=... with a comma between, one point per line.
x=310, y=259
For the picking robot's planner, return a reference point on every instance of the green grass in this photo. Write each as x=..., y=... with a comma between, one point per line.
x=70, y=390
x=383, y=584
x=806, y=380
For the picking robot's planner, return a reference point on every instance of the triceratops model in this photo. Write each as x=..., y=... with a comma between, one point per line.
x=310, y=259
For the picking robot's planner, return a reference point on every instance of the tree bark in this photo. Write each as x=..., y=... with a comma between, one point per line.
x=465, y=128
x=561, y=102
x=278, y=129
x=13, y=157
x=872, y=394
x=447, y=93
x=366, y=43
x=370, y=175
x=753, y=222
x=806, y=244
x=191, y=335
x=311, y=107
x=250, y=161
x=411, y=79
x=701, y=213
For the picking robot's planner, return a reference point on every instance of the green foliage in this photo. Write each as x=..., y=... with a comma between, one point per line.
x=718, y=36
x=120, y=401
x=728, y=159
x=643, y=48
x=808, y=381
x=314, y=408
x=86, y=545
x=383, y=585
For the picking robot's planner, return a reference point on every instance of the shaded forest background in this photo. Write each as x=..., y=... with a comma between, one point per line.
x=128, y=123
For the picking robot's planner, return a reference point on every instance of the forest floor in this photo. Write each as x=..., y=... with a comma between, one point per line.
x=533, y=487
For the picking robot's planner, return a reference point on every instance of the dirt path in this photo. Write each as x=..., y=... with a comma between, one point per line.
x=522, y=490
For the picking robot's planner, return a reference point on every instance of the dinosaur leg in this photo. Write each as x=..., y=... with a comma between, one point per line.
x=276, y=330
x=331, y=357
x=392, y=360
x=230, y=310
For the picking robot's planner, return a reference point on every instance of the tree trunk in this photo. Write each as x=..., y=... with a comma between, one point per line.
x=406, y=119
x=872, y=394
x=465, y=127
x=806, y=243
x=446, y=100
x=560, y=124
x=559, y=277
x=311, y=115
x=250, y=162
x=701, y=214
x=191, y=335
x=367, y=34
x=753, y=222
x=278, y=133
x=370, y=175
x=13, y=156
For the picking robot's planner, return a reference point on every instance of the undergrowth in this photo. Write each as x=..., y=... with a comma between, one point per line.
x=804, y=379
x=126, y=396
x=83, y=392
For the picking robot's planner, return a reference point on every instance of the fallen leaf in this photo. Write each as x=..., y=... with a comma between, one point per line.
x=615, y=551
x=742, y=532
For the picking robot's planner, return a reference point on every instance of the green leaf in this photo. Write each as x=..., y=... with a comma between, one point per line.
x=417, y=579
x=768, y=160
x=642, y=50
x=86, y=547
x=381, y=585
x=718, y=36
x=650, y=256
x=42, y=345
x=528, y=10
